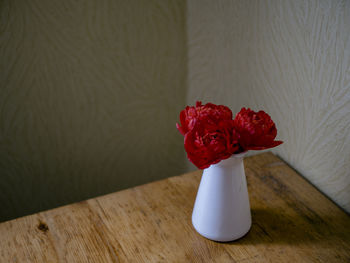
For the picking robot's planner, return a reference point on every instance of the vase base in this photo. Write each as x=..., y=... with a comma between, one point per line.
x=223, y=238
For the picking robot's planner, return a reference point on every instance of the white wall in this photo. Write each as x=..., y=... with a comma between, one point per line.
x=290, y=58
x=90, y=91
x=89, y=95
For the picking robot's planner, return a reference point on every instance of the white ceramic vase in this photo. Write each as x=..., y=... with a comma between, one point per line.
x=221, y=211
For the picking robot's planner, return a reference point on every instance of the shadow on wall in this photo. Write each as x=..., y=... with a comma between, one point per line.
x=90, y=94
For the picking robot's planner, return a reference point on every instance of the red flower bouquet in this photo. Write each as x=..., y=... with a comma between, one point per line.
x=211, y=134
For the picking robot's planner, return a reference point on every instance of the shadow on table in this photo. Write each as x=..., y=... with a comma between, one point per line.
x=274, y=226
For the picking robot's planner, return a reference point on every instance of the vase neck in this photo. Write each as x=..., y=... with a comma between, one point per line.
x=231, y=161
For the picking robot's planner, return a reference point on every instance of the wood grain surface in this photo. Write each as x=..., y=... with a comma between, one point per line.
x=292, y=222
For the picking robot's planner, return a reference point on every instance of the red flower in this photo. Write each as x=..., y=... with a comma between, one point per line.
x=256, y=129
x=211, y=135
x=208, y=143
x=209, y=112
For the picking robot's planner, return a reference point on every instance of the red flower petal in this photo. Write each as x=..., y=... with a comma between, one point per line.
x=209, y=112
x=257, y=130
x=208, y=144
x=211, y=135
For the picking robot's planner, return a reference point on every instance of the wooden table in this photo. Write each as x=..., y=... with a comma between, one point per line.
x=292, y=222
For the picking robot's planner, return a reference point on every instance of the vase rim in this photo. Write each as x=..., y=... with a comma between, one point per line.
x=232, y=159
x=238, y=155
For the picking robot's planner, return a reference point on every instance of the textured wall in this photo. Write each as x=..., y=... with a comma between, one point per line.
x=290, y=58
x=90, y=91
